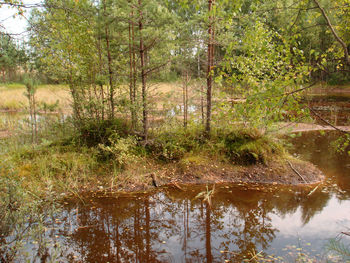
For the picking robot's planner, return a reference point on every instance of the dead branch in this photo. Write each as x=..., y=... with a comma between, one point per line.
x=291, y=166
x=325, y=121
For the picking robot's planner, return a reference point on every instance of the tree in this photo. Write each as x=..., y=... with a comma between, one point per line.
x=12, y=57
x=31, y=86
x=211, y=39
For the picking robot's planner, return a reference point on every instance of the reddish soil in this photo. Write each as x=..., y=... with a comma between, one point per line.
x=292, y=172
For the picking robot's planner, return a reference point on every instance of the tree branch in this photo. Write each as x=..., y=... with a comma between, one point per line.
x=341, y=42
x=156, y=68
x=291, y=167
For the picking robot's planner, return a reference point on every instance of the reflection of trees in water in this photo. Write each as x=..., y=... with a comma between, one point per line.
x=114, y=231
x=311, y=205
x=251, y=230
x=135, y=229
x=288, y=203
x=247, y=224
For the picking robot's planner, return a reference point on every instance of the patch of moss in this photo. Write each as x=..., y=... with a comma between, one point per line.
x=251, y=147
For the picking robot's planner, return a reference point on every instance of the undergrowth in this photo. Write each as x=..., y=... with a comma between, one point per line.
x=68, y=158
x=240, y=145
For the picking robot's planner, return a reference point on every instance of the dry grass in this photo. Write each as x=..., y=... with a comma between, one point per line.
x=13, y=97
x=168, y=87
x=166, y=95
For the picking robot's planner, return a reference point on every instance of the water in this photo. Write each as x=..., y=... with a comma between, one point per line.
x=21, y=123
x=334, y=107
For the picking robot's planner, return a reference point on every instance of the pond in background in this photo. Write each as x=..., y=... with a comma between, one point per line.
x=334, y=107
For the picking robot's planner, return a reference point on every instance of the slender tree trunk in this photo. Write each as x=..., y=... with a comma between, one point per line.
x=132, y=70
x=210, y=67
x=96, y=97
x=109, y=58
x=34, y=115
x=201, y=86
x=102, y=99
x=185, y=97
x=134, y=65
x=143, y=75
x=31, y=115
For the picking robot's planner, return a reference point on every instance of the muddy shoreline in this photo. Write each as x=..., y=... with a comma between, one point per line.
x=291, y=172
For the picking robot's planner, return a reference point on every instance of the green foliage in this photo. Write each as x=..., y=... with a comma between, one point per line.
x=21, y=214
x=120, y=150
x=12, y=56
x=338, y=78
x=266, y=69
x=173, y=145
x=342, y=144
x=31, y=86
x=51, y=107
x=95, y=132
x=249, y=146
x=241, y=146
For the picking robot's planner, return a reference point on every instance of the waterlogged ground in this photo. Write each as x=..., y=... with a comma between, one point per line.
x=194, y=224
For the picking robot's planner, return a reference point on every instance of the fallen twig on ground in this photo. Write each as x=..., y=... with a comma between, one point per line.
x=296, y=171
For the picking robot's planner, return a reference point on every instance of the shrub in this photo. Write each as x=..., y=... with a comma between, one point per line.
x=121, y=150
x=250, y=146
x=165, y=150
x=20, y=218
x=93, y=133
x=173, y=145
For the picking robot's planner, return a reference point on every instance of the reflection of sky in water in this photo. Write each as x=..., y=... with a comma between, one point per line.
x=314, y=236
x=334, y=218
